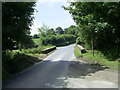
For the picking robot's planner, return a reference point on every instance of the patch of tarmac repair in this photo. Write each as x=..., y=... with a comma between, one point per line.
x=84, y=75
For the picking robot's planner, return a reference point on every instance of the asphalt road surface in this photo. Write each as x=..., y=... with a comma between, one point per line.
x=62, y=70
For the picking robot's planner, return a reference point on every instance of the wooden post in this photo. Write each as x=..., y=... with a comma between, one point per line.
x=92, y=42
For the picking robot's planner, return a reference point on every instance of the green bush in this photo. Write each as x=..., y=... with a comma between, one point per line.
x=12, y=63
x=58, y=40
x=33, y=50
x=8, y=63
x=15, y=61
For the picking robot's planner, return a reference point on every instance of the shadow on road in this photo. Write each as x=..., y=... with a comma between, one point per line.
x=50, y=73
x=78, y=69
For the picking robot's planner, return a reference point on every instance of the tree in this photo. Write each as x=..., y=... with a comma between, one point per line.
x=43, y=30
x=59, y=30
x=99, y=24
x=16, y=21
x=50, y=32
x=35, y=36
x=72, y=30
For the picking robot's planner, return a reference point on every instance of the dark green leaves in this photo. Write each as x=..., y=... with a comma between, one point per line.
x=16, y=20
x=101, y=21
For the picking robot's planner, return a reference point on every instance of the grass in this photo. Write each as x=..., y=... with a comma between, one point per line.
x=16, y=61
x=76, y=52
x=36, y=41
x=33, y=51
x=97, y=58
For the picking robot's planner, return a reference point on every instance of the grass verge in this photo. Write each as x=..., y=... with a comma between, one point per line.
x=97, y=58
x=36, y=41
x=16, y=61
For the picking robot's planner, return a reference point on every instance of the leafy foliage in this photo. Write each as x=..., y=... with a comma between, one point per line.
x=35, y=36
x=45, y=31
x=49, y=36
x=59, y=30
x=15, y=61
x=58, y=40
x=74, y=30
x=16, y=19
x=98, y=23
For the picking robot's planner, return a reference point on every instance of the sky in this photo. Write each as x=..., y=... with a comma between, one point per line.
x=51, y=14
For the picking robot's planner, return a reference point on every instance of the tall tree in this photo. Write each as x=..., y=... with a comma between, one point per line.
x=59, y=30
x=51, y=31
x=16, y=21
x=99, y=24
x=72, y=30
x=43, y=30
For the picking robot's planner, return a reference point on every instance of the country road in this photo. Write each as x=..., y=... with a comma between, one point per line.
x=62, y=70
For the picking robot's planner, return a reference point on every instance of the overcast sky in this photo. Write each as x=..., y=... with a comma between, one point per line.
x=52, y=15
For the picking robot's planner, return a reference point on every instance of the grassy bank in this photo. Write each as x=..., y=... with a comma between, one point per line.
x=36, y=41
x=16, y=61
x=97, y=58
